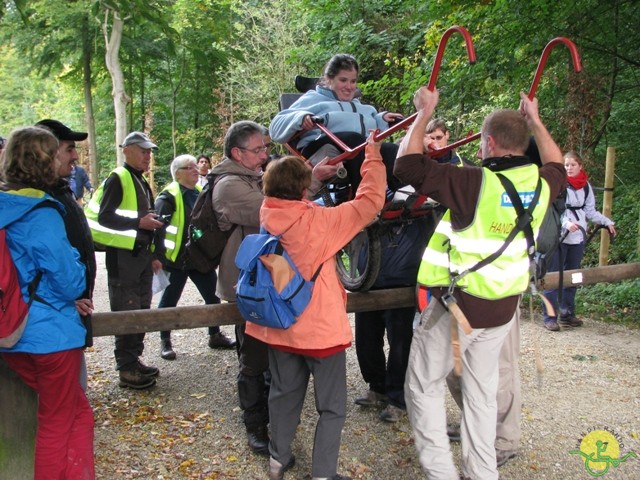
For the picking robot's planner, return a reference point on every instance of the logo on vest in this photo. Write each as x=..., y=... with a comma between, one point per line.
x=525, y=198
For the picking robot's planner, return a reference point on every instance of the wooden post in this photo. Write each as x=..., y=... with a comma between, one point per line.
x=18, y=421
x=606, y=204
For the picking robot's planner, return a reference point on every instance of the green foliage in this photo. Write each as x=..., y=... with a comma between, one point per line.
x=617, y=302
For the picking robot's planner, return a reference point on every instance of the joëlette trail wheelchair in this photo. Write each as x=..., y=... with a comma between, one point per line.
x=358, y=263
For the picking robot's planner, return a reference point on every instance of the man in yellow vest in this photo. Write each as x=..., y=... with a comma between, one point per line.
x=473, y=306
x=121, y=218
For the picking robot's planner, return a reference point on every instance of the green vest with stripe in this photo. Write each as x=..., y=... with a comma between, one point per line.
x=451, y=252
x=175, y=230
x=128, y=207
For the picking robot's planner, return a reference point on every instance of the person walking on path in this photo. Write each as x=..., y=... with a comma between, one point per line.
x=174, y=205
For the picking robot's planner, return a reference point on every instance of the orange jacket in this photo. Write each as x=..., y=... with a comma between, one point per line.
x=313, y=235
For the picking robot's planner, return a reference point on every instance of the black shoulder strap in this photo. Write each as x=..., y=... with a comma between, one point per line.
x=524, y=216
x=523, y=224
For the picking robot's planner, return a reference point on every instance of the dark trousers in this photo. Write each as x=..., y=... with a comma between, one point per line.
x=571, y=258
x=388, y=150
x=254, y=379
x=204, y=282
x=130, y=280
x=385, y=375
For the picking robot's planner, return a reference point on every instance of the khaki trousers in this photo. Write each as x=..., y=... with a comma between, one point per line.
x=430, y=361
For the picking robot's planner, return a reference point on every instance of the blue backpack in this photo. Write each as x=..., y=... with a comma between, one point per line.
x=270, y=291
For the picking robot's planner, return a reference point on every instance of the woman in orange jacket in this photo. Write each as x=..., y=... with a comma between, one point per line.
x=316, y=343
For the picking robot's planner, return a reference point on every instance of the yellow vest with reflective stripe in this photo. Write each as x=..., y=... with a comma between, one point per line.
x=108, y=237
x=451, y=252
x=175, y=230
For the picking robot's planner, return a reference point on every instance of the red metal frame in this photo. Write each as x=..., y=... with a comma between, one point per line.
x=577, y=66
x=405, y=123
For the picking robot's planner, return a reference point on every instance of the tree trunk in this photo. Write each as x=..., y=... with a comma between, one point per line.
x=88, y=102
x=120, y=97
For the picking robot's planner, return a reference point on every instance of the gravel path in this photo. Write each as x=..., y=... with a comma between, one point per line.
x=189, y=426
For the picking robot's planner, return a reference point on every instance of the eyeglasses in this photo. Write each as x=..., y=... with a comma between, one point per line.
x=258, y=150
x=190, y=167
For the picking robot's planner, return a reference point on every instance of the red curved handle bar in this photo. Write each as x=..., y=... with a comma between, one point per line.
x=441, y=46
x=577, y=66
x=575, y=57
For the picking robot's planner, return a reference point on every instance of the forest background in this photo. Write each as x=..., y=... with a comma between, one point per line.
x=184, y=70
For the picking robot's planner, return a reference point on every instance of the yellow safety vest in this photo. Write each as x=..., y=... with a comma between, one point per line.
x=175, y=230
x=451, y=252
x=108, y=237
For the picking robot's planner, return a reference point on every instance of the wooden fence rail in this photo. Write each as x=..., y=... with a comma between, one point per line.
x=138, y=321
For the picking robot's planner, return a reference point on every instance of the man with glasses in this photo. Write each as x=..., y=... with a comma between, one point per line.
x=237, y=197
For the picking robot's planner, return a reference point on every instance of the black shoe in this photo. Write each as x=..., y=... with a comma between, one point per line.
x=503, y=456
x=551, y=325
x=147, y=371
x=276, y=469
x=258, y=440
x=166, y=349
x=570, y=321
x=453, y=432
x=135, y=379
x=220, y=340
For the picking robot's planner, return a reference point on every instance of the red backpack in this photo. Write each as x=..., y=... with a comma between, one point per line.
x=14, y=311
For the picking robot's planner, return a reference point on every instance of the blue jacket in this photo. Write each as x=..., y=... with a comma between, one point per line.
x=37, y=241
x=338, y=117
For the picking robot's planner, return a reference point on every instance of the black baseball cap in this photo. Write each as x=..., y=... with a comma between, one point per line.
x=61, y=131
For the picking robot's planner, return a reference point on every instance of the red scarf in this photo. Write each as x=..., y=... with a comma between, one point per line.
x=579, y=181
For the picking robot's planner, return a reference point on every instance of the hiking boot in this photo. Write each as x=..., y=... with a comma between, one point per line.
x=392, y=414
x=135, y=379
x=220, y=340
x=276, y=469
x=551, y=325
x=570, y=321
x=371, y=399
x=166, y=349
x=147, y=371
x=258, y=440
x=453, y=432
x=503, y=456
